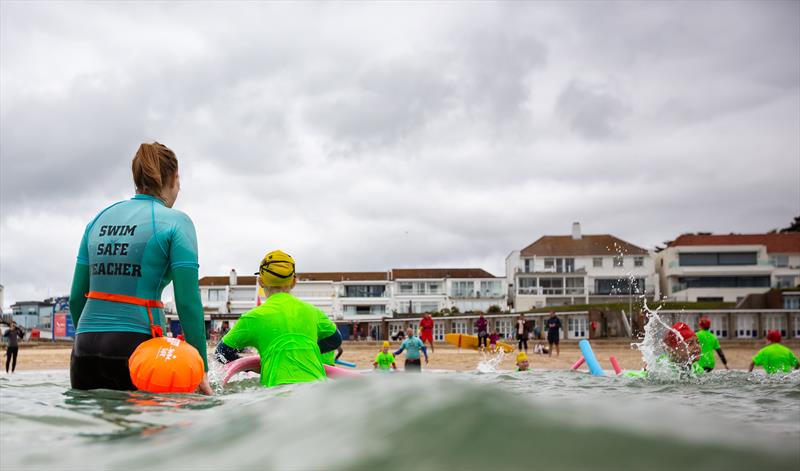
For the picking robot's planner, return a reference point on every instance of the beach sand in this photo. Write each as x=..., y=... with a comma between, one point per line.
x=445, y=357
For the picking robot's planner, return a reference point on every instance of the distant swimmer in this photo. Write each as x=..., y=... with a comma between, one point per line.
x=775, y=358
x=128, y=254
x=708, y=345
x=522, y=361
x=384, y=361
x=682, y=348
x=290, y=335
x=426, y=330
x=413, y=345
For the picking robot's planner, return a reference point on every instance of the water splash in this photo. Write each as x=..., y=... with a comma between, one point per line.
x=654, y=351
x=490, y=361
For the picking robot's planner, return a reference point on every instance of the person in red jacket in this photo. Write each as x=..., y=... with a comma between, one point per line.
x=426, y=330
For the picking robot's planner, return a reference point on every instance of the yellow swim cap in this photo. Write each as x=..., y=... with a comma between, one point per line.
x=385, y=343
x=276, y=269
x=521, y=356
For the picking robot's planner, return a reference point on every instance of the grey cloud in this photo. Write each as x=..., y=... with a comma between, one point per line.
x=594, y=111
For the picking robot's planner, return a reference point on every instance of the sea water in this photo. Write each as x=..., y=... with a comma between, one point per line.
x=434, y=420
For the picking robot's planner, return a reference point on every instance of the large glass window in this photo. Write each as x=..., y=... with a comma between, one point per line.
x=724, y=281
x=569, y=265
x=597, y=262
x=574, y=285
x=216, y=294
x=780, y=260
x=406, y=288
x=619, y=286
x=364, y=291
x=491, y=288
x=527, y=286
x=691, y=259
x=552, y=285
x=784, y=281
x=463, y=289
x=549, y=263
x=791, y=302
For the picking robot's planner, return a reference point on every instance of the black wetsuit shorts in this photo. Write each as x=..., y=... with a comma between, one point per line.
x=99, y=360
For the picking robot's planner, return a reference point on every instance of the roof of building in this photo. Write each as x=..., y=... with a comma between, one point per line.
x=600, y=244
x=225, y=280
x=786, y=242
x=331, y=276
x=345, y=276
x=416, y=273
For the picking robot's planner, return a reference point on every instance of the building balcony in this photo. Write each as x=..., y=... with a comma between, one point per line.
x=551, y=271
x=578, y=292
x=485, y=295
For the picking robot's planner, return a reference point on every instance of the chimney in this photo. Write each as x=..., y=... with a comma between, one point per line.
x=233, y=277
x=576, y=231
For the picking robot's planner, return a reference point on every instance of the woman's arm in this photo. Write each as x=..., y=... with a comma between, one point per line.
x=190, y=309
x=77, y=295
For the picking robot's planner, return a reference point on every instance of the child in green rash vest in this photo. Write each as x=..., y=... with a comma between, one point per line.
x=708, y=345
x=290, y=335
x=128, y=254
x=775, y=358
x=385, y=359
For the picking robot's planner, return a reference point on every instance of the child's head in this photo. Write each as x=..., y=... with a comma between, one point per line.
x=385, y=347
x=522, y=361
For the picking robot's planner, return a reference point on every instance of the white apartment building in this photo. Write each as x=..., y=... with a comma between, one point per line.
x=579, y=269
x=727, y=268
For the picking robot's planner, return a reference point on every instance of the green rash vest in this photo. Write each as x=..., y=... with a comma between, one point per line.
x=285, y=331
x=384, y=360
x=775, y=358
x=708, y=345
x=136, y=248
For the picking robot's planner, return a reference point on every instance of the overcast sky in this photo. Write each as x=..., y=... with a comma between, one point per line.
x=376, y=136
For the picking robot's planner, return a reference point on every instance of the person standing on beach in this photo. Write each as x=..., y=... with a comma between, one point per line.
x=708, y=345
x=426, y=329
x=775, y=358
x=384, y=361
x=553, y=328
x=483, y=331
x=522, y=334
x=128, y=254
x=413, y=345
x=13, y=333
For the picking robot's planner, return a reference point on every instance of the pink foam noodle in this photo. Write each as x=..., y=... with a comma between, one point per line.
x=578, y=363
x=253, y=363
x=615, y=364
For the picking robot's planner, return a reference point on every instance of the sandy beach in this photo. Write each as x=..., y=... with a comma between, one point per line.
x=445, y=356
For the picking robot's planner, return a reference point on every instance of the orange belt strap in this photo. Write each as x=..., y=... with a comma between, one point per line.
x=121, y=298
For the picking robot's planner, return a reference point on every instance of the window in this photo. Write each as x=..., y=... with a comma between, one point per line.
x=724, y=281
x=791, y=302
x=597, y=262
x=438, y=331
x=552, y=285
x=638, y=261
x=690, y=259
x=216, y=294
x=619, y=261
x=491, y=288
x=527, y=286
x=528, y=265
x=784, y=282
x=549, y=263
x=364, y=291
x=503, y=327
x=619, y=286
x=780, y=260
x=459, y=327
x=577, y=326
x=774, y=322
x=463, y=289
x=574, y=285
x=746, y=326
x=406, y=288
x=569, y=265
x=710, y=299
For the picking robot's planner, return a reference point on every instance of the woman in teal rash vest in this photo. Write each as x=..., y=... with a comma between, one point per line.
x=129, y=253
